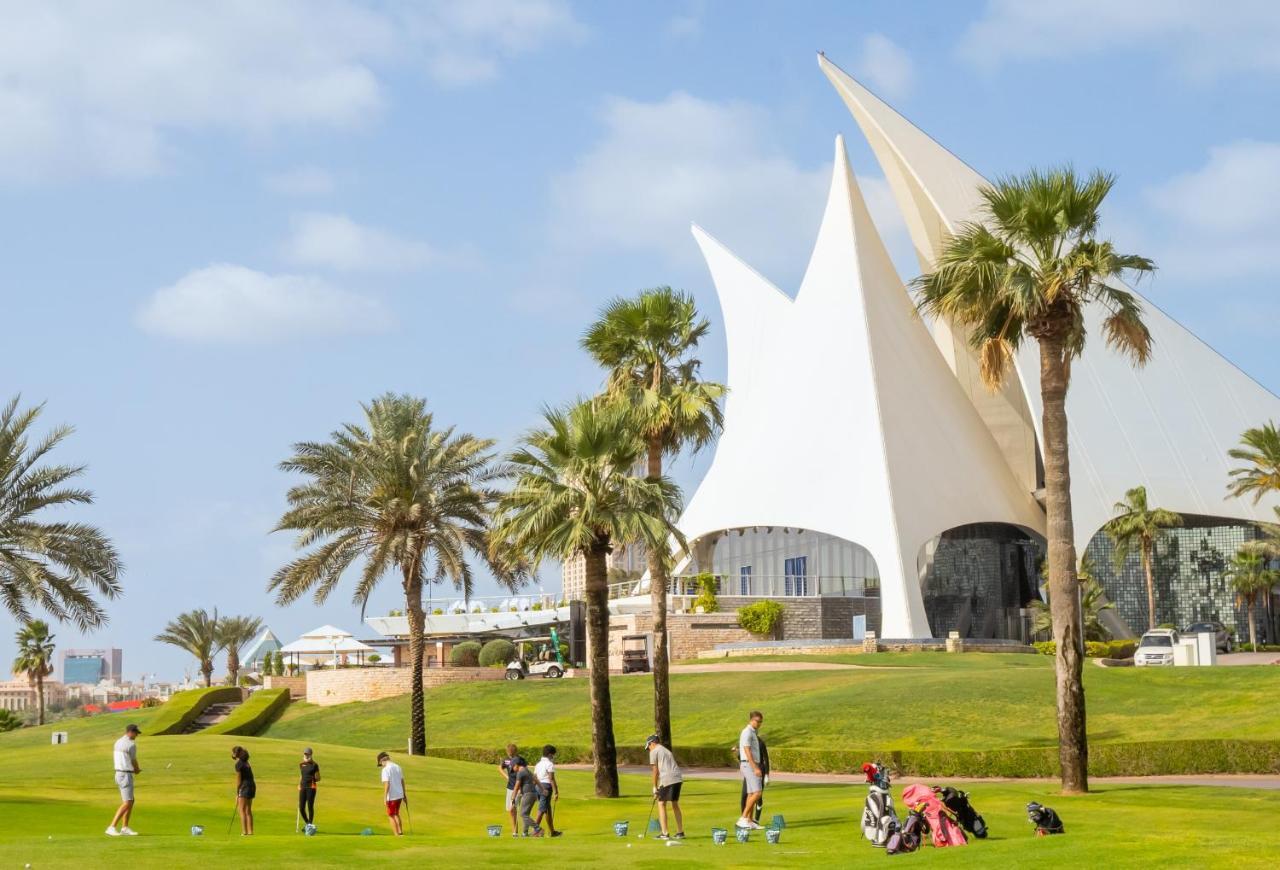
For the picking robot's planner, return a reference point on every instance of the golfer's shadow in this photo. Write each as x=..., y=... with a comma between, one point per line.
x=811, y=822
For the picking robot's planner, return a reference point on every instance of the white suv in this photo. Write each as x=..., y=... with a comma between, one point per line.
x=1156, y=647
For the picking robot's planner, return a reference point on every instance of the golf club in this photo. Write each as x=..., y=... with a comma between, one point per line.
x=297, y=820
x=235, y=811
x=408, y=812
x=652, y=804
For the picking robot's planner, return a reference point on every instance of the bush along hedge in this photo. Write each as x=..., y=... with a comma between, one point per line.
x=496, y=653
x=1094, y=649
x=465, y=654
x=254, y=714
x=761, y=618
x=183, y=708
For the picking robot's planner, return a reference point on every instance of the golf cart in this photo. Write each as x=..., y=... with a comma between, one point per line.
x=544, y=661
x=635, y=653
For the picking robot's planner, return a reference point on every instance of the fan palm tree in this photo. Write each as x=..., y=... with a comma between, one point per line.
x=197, y=633
x=1260, y=448
x=233, y=633
x=1092, y=603
x=573, y=495
x=1137, y=524
x=35, y=659
x=1252, y=581
x=56, y=566
x=401, y=496
x=1031, y=268
x=647, y=344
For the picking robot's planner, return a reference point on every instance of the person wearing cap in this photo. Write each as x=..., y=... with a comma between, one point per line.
x=125, y=755
x=310, y=775
x=507, y=770
x=526, y=795
x=667, y=780
x=392, y=790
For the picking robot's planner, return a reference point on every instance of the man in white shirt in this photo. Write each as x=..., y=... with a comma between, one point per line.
x=548, y=788
x=749, y=766
x=125, y=757
x=667, y=780
x=392, y=790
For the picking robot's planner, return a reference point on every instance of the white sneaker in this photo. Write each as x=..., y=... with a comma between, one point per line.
x=112, y=832
x=755, y=826
x=743, y=823
x=128, y=831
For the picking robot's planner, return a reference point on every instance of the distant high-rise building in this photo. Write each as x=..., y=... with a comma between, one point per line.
x=91, y=666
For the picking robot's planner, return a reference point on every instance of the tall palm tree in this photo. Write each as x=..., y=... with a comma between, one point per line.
x=1029, y=269
x=647, y=343
x=1137, y=524
x=35, y=659
x=1260, y=449
x=399, y=495
x=1252, y=581
x=573, y=495
x=233, y=633
x=198, y=633
x=56, y=566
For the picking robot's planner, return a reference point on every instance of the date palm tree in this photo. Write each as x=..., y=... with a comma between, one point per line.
x=1029, y=269
x=197, y=633
x=1252, y=582
x=647, y=344
x=56, y=566
x=573, y=495
x=401, y=496
x=35, y=659
x=233, y=633
x=1138, y=525
x=1260, y=450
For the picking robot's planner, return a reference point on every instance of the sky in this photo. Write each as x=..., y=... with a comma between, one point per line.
x=225, y=225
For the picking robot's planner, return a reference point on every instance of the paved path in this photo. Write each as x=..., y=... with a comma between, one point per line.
x=1222, y=780
x=728, y=665
x=1249, y=658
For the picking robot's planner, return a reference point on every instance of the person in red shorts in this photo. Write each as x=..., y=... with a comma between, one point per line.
x=392, y=790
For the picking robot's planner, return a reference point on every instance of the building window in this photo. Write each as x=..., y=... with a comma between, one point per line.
x=744, y=580
x=794, y=581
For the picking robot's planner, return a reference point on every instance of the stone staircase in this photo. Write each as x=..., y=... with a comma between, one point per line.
x=211, y=715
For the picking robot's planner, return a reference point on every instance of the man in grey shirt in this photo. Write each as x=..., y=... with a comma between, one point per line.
x=667, y=781
x=125, y=758
x=749, y=764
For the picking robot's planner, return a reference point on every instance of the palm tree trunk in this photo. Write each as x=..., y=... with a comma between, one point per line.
x=1147, y=547
x=233, y=667
x=1253, y=627
x=417, y=696
x=602, y=743
x=206, y=668
x=1064, y=601
x=658, y=583
x=40, y=692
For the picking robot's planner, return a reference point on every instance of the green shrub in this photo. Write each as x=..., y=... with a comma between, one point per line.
x=183, y=708
x=437, y=612
x=254, y=714
x=537, y=605
x=763, y=617
x=465, y=654
x=374, y=658
x=496, y=653
x=147, y=703
x=708, y=584
x=1046, y=647
x=1094, y=649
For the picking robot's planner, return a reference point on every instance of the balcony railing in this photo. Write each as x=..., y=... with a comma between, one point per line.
x=761, y=586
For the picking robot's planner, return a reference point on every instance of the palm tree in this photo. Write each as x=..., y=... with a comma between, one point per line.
x=1252, y=581
x=400, y=495
x=647, y=344
x=1031, y=269
x=35, y=659
x=1092, y=603
x=1137, y=524
x=573, y=496
x=57, y=566
x=233, y=633
x=198, y=633
x=1261, y=450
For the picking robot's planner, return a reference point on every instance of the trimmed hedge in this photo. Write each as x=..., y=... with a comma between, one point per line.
x=254, y=714
x=465, y=654
x=1094, y=649
x=183, y=708
x=1156, y=758
x=762, y=618
x=497, y=653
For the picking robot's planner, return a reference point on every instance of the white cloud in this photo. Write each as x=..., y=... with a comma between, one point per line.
x=886, y=66
x=1205, y=37
x=225, y=303
x=661, y=166
x=335, y=241
x=101, y=87
x=301, y=181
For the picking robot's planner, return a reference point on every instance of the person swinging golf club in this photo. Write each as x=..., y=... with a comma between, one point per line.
x=246, y=790
x=667, y=780
x=392, y=790
x=125, y=755
x=749, y=765
x=309, y=777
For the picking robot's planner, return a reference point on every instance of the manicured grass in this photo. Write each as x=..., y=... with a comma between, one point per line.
x=56, y=800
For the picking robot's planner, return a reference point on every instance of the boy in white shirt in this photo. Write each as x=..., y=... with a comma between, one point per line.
x=392, y=790
x=548, y=788
x=125, y=757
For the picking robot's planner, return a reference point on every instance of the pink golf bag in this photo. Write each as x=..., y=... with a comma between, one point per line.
x=942, y=824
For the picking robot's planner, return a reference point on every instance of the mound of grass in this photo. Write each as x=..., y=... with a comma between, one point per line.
x=184, y=707
x=254, y=714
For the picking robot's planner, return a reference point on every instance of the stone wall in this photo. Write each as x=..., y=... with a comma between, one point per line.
x=692, y=633
x=329, y=687
x=297, y=686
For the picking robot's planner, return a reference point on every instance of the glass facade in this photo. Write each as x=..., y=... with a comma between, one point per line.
x=978, y=579
x=84, y=669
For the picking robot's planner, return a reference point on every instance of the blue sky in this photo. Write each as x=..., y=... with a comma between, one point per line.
x=227, y=224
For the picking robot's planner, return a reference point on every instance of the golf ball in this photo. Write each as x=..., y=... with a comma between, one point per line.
x=628, y=846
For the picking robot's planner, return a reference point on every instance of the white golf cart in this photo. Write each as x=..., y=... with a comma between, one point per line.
x=543, y=660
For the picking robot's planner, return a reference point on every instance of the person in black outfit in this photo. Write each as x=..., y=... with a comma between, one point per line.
x=764, y=772
x=310, y=775
x=246, y=789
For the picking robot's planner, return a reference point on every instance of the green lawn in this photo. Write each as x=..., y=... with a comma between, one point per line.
x=56, y=800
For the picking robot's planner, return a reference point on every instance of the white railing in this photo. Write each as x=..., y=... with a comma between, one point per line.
x=760, y=586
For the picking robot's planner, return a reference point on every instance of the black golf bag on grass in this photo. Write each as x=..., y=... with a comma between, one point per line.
x=958, y=803
x=1045, y=820
x=879, y=819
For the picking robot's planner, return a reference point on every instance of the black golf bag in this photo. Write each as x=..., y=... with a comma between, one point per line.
x=1045, y=820
x=958, y=803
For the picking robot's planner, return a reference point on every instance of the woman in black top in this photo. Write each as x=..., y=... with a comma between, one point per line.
x=246, y=789
x=310, y=775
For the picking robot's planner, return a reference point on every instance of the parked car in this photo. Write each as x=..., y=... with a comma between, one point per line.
x=1156, y=648
x=1223, y=636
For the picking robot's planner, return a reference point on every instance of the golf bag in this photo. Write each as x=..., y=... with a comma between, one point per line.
x=958, y=802
x=764, y=771
x=879, y=819
x=942, y=825
x=1045, y=820
x=908, y=837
